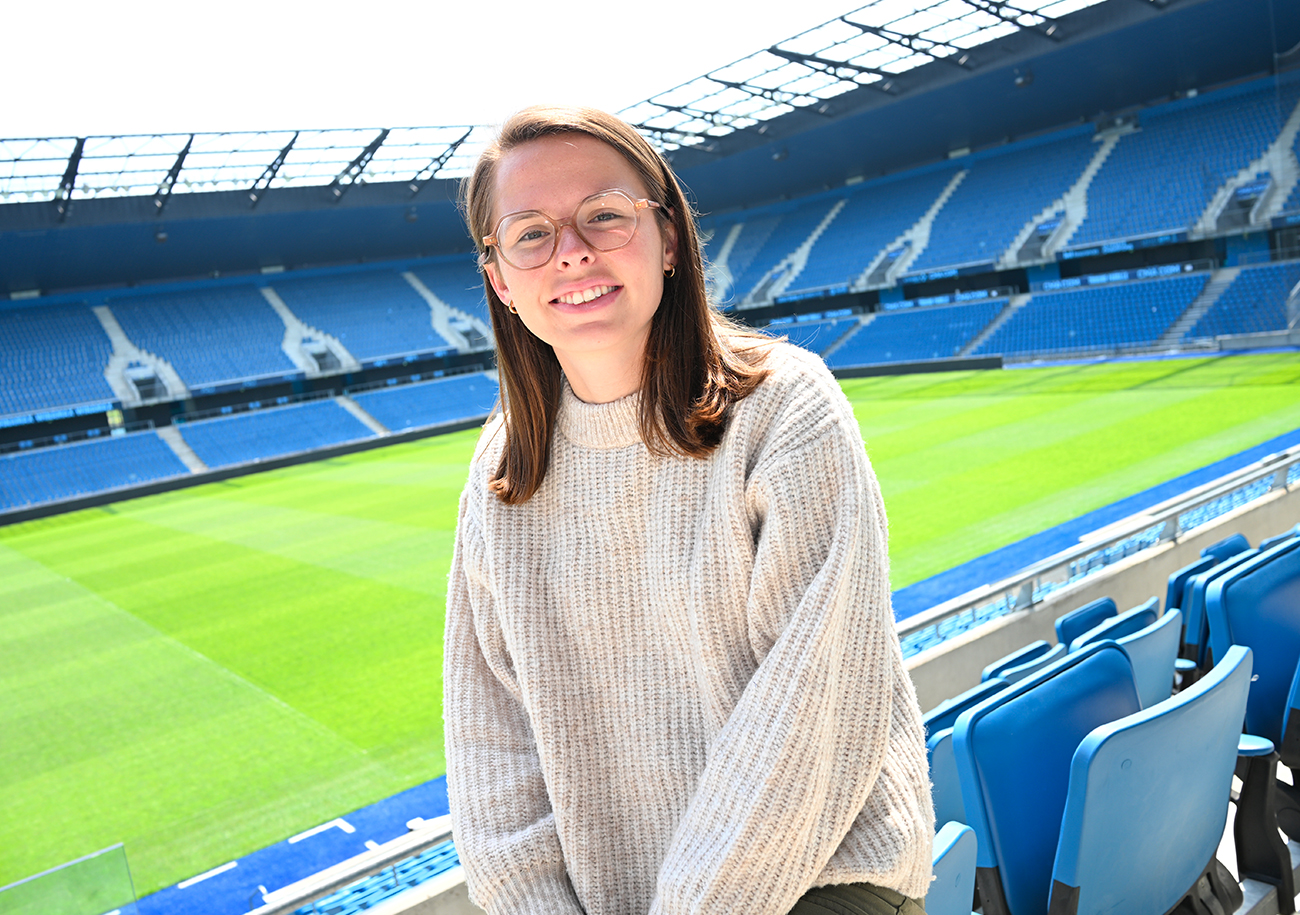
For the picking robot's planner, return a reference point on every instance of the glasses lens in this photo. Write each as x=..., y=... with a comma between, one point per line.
x=607, y=221
x=527, y=239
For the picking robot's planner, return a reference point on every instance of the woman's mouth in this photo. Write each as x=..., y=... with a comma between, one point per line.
x=583, y=296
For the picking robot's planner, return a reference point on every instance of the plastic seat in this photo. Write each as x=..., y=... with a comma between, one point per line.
x=1023, y=662
x=1075, y=623
x=1196, y=628
x=1152, y=643
x=1270, y=542
x=1227, y=547
x=1176, y=588
x=953, y=857
x=946, y=788
x=1080, y=799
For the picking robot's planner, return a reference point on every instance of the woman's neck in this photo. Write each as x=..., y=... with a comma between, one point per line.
x=600, y=377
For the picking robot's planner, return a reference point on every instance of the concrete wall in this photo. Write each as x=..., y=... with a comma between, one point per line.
x=954, y=666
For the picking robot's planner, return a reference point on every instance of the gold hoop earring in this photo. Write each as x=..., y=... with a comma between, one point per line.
x=670, y=272
x=511, y=307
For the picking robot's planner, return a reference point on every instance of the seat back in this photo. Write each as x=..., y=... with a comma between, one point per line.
x=1075, y=623
x=946, y=788
x=1148, y=798
x=1178, y=581
x=1196, y=628
x=1151, y=643
x=1018, y=672
x=1227, y=547
x=1273, y=541
x=1020, y=656
x=1256, y=604
x=1013, y=756
x=953, y=858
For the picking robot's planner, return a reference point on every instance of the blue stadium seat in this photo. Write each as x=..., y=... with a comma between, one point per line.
x=457, y=282
x=1227, y=547
x=1025, y=661
x=51, y=356
x=1196, y=625
x=916, y=334
x=261, y=434
x=50, y=474
x=1152, y=643
x=1080, y=799
x=953, y=860
x=1092, y=614
x=945, y=787
x=431, y=403
x=1255, y=302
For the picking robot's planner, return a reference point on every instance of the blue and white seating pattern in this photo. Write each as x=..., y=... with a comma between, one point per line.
x=431, y=403
x=915, y=334
x=261, y=434
x=1255, y=302
x=209, y=335
x=96, y=465
x=373, y=313
x=51, y=356
x=458, y=283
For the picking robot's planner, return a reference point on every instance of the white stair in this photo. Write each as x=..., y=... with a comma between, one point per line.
x=719, y=270
x=798, y=258
x=862, y=322
x=360, y=413
x=1219, y=281
x=124, y=353
x=296, y=332
x=1017, y=302
x=442, y=315
x=181, y=448
x=1279, y=161
x=1073, y=203
x=918, y=234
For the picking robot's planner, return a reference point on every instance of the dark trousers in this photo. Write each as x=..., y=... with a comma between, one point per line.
x=856, y=899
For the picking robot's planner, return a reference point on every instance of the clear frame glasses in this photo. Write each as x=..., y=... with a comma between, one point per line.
x=605, y=221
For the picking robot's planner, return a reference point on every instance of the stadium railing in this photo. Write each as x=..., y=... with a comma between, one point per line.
x=1161, y=524
x=304, y=892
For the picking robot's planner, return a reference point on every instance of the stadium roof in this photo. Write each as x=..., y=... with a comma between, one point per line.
x=867, y=47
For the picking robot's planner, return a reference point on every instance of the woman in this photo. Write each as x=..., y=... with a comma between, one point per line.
x=672, y=681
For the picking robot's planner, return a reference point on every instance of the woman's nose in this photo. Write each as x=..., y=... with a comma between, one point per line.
x=570, y=248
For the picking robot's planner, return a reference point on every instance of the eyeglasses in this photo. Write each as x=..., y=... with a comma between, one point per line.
x=605, y=221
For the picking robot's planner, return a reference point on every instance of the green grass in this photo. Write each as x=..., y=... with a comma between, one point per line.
x=202, y=673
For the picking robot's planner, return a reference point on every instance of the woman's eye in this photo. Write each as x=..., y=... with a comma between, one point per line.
x=530, y=235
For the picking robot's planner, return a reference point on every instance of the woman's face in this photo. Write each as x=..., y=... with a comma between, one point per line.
x=555, y=301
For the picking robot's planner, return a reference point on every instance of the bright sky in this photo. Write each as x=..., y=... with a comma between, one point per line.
x=145, y=66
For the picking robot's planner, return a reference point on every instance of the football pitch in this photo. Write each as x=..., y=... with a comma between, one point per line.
x=202, y=673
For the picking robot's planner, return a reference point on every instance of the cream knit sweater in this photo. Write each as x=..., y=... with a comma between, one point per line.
x=673, y=685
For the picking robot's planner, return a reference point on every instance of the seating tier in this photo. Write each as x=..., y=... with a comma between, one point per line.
x=263, y=434
x=49, y=474
x=50, y=357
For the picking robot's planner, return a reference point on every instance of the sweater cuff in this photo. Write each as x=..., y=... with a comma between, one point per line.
x=537, y=893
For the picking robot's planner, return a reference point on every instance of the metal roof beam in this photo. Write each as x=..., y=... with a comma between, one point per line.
x=348, y=177
x=829, y=66
x=63, y=196
x=1008, y=13
x=914, y=43
x=427, y=174
x=263, y=183
x=164, y=192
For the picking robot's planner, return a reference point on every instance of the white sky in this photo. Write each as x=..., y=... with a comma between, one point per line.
x=145, y=66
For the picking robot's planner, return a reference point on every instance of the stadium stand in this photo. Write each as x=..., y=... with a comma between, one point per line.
x=995, y=200
x=816, y=336
x=788, y=227
x=458, y=283
x=51, y=356
x=261, y=434
x=910, y=335
x=208, y=335
x=1255, y=302
x=1161, y=177
x=874, y=215
x=374, y=314
x=430, y=403
x=1098, y=318
x=49, y=474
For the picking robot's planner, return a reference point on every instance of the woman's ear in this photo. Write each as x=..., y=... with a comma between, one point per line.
x=670, y=244
x=498, y=282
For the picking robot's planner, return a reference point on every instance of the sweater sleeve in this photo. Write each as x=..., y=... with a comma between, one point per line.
x=796, y=759
x=501, y=813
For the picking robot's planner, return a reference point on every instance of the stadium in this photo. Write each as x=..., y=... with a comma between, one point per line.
x=1051, y=250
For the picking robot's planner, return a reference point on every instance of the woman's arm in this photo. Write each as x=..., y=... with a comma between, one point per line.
x=501, y=813
x=799, y=754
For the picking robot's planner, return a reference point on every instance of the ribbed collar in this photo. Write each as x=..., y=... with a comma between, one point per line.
x=599, y=425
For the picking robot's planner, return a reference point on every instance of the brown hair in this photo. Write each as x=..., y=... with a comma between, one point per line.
x=697, y=363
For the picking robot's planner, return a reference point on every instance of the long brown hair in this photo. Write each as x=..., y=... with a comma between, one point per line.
x=697, y=363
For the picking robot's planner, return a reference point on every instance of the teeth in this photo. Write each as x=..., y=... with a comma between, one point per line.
x=578, y=298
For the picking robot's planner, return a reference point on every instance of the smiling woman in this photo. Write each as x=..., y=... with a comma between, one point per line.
x=672, y=680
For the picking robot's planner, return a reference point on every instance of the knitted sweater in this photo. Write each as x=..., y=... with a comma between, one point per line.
x=673, y=685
